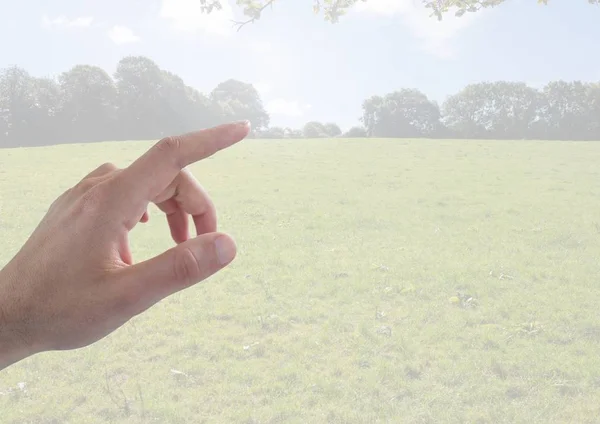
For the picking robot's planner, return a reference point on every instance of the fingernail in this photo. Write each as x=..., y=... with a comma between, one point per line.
x=238, y=129
x=225, y=248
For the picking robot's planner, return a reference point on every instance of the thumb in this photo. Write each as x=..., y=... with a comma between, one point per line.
x=176, y=269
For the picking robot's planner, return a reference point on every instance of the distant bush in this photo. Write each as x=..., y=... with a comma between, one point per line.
x=355, y=132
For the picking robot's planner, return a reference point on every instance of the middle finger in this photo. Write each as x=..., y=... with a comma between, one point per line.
x=183, y=197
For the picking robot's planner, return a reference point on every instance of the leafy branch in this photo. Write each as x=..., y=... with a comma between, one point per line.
x=333, y=9
x=254, y=13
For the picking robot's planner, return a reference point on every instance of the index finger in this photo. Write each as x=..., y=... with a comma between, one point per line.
x=152, y=172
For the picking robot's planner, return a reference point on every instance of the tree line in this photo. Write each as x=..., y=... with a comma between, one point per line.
x=562, y=110
x=140, y=101
x=143, y=101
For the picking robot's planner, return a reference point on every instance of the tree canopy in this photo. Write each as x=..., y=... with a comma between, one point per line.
x=332, y=10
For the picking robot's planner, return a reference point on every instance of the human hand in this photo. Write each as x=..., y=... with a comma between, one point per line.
x=74, y=281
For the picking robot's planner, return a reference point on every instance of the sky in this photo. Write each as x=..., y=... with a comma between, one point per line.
x=305, y=68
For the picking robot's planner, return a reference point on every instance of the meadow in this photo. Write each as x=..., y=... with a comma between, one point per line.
x=377, y=281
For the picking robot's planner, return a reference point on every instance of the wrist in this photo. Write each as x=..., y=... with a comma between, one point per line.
x=14, y=346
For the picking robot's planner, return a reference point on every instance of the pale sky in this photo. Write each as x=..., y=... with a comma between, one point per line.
x=305, y=68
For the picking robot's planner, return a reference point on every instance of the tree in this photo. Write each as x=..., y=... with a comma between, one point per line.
x=571, y=110
x=28, y=110
x=594, y=105
x=314, y=129
x=333, y=10
x=404, y=113
x=493, y=110
x=16, y=105
x=89, y=104
x=240, y=101
x=271, y=133
x=48, y=104
x=139, y=83
x=292, y=133
x=355, y=132
x=184, y=108
x=332, y=129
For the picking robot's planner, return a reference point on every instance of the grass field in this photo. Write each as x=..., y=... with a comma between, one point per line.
x=349, y=301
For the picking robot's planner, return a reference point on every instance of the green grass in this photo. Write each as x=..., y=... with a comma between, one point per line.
x=344, y=293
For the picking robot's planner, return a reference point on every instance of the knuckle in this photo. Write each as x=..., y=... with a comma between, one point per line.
x=84, y=186
x=92, y=199
x=210, y=207
x=107, y=167
x=186, y=266
x=170, y=142
x=171, y=148
x=169, y=145
x=60, y=199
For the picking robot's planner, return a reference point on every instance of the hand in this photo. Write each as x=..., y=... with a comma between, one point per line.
x=73, y=282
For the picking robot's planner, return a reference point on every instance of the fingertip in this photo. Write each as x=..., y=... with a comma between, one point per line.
x=245, y=124
x=241, y=129
x=225, y=249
